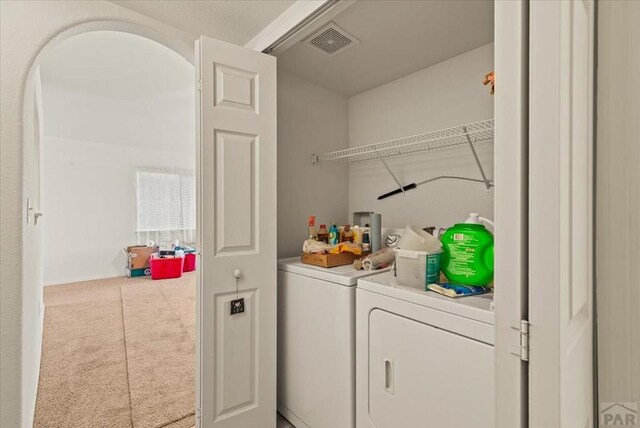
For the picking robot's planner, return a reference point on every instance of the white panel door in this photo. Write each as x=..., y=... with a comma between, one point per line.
x=560, y=214
x=237, y=224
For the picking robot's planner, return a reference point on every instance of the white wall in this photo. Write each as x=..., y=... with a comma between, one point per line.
x=25, y=27
x=311, y=119
x=441, y=96
x=618, y=202
x=102, y=121
x=89, y=200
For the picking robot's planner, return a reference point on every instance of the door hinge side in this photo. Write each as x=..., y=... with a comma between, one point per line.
x=522, y=350
x=200, y=85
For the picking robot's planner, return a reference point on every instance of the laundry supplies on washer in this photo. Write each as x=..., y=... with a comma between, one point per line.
x=379, y=260
x=468, y=252
x=334, y=234
x=311, y=246
x=453, y=290
x=417, y=258
x=417, y=268
x=415, y=238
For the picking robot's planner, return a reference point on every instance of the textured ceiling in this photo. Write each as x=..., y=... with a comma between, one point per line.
x=397, y=38
x=235, y=21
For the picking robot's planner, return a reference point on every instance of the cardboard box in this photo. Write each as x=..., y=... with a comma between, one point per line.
x=134, y=273
x=138, y=256
x=329, y=260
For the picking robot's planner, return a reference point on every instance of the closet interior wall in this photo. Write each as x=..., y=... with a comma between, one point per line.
x=444, y=95
x=314, y=120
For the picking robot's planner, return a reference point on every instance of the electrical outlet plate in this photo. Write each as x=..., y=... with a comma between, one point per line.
x=237, y=306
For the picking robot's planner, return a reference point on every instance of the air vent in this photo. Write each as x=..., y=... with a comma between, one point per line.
x=332, y=39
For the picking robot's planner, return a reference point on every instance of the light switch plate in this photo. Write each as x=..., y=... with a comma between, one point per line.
x=237, y=306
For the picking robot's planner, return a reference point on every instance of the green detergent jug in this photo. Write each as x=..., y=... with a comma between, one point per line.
x=467, y=257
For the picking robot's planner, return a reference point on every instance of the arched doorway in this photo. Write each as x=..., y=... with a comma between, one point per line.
x=34, y=248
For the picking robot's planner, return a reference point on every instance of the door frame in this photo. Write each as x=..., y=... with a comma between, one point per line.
x=32, y=282
x=511, y=197
x=183, y=49
x=283, y=24
x=511, y=209
x=512, y=258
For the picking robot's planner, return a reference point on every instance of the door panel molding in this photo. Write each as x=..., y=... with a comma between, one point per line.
x=236, y=354
x=236, y=88
x=237, y=193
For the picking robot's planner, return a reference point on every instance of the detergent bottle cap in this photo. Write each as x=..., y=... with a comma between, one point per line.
x=474, y=218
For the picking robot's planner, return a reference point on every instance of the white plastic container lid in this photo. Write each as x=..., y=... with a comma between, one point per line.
x=414, y=238
x=413, y=254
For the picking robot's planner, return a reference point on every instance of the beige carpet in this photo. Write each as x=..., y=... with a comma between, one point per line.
x=160, y=358
x=118, y=353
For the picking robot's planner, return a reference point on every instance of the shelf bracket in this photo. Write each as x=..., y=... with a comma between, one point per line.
x=486, y=181
x=391, y=173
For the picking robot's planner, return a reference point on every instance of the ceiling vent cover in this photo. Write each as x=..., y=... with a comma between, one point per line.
x=332, y=39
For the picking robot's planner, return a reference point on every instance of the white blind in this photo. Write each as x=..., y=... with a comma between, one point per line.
x=166, y=205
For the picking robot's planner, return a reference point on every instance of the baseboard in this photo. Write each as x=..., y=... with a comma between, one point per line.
x=91, y=278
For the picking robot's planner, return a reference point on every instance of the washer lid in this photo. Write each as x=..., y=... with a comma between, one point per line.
x=344, y=275
x=473, y=307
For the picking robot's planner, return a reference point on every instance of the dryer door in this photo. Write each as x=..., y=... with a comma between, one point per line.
x=422, y=376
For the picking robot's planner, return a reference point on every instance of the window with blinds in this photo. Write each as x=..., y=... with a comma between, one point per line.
x=165, y=201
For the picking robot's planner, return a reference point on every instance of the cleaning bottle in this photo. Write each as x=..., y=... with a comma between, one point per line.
x=334, y=235
x=313, y=234
x=357, y=234
x=468, y=252
x=323, y=234
x=366, y=244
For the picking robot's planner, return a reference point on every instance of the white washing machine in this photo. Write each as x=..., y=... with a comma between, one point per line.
x=422, y=359
x=316, y=344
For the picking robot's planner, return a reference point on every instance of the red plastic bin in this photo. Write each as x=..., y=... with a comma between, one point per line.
x=165, y=268
x=189, y=262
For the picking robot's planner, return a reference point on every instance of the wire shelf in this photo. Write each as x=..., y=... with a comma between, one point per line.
x=450, y=137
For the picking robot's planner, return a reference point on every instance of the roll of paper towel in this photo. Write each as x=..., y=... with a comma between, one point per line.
x=376, y=232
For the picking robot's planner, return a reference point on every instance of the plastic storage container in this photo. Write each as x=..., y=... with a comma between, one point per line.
x=189, y=262
x=164, y=268
x=417, y=268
